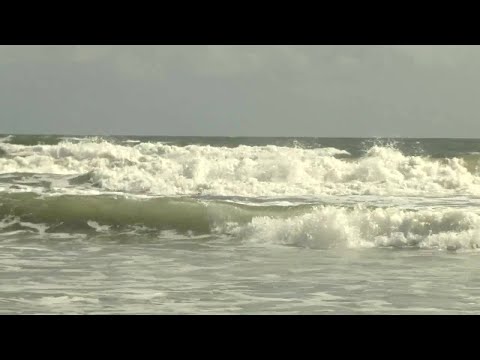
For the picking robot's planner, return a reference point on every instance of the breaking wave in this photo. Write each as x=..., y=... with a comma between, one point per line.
x=312, y=226
x=253, y=171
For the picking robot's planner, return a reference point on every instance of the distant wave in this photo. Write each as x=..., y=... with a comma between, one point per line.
x=169, y=170
x=6, y=139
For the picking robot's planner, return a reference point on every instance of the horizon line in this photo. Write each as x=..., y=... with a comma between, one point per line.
x=245, y=136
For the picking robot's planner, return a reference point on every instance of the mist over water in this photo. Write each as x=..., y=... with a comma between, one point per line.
x=238, y=225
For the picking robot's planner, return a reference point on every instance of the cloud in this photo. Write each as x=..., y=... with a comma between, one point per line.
x=441, y=55
x=237, y=60
x=248, y=89
x=148, y=61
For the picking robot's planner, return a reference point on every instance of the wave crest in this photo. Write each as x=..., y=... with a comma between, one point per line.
x=162, y=169
x=333, y=227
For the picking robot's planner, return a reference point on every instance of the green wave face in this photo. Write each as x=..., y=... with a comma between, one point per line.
x=72, y=213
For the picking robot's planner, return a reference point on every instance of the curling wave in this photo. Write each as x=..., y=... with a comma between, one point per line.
x=313, y=226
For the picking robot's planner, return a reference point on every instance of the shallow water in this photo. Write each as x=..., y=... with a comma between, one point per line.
x=197, y=276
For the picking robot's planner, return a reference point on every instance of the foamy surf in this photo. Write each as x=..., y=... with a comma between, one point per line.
x=332, y=227
x=251, y=171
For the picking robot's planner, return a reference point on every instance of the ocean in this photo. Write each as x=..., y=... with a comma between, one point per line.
x=238, y=225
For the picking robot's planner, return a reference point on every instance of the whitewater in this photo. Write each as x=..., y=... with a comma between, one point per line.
x=238, y=225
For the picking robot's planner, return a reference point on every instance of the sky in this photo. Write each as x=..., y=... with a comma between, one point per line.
x=260, y=90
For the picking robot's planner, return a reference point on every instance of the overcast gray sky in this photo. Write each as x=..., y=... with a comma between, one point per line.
x=413, y=91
